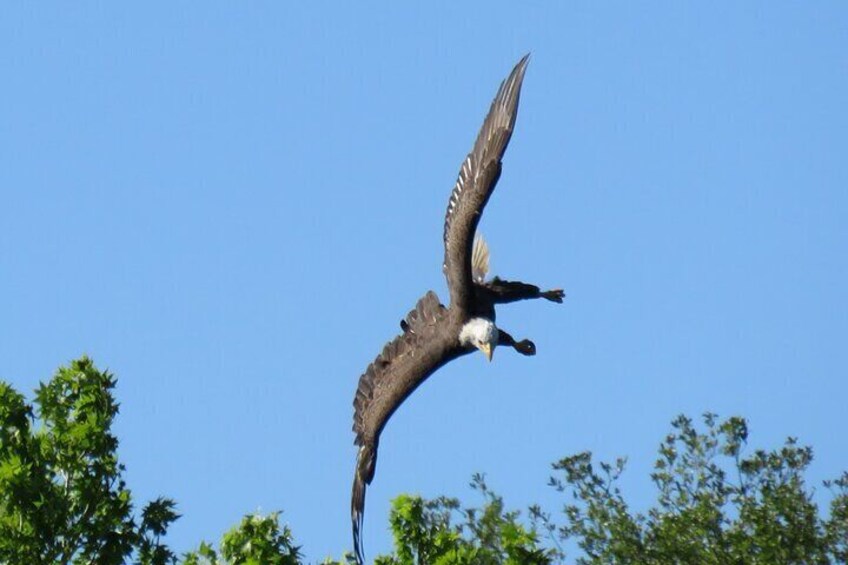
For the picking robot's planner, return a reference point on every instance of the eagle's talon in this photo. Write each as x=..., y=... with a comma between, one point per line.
x=555, y=295
x=526, y=347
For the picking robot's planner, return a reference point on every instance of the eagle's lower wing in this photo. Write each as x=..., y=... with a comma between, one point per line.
x=477, y=179
x=426, y=344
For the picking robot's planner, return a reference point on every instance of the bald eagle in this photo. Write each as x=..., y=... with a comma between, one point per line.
x=432, y=334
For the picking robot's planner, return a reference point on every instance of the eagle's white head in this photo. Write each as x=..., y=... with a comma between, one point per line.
x=480, y=333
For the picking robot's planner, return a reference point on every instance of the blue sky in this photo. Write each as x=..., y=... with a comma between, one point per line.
x=231, y=207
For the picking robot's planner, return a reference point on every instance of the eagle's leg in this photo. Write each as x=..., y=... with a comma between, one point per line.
x=512, y=291
x=525, y=346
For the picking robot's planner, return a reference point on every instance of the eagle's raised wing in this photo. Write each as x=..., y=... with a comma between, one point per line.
x=477, y=179
x=426, y=344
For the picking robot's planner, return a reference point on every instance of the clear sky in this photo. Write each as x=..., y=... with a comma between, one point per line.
x=231, y=206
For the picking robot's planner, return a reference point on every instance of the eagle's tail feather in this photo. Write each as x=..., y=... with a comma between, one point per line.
x=365, y=462
x=479, y=259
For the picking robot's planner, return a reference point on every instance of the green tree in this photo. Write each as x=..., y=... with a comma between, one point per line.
x=714, y=505
x=440, y=532
x=257, y=540
x=62, y=494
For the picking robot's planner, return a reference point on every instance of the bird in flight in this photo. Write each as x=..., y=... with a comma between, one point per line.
x=432, y=334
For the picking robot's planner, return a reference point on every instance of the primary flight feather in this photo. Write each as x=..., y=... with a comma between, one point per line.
x=432, y=334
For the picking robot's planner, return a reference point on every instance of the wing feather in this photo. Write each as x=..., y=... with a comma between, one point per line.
x=427, y=342
x=381, y=381
x=477, y=178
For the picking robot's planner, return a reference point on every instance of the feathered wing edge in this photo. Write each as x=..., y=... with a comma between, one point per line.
x=501, y=117
x=366, y=460
x=427, y=310
x=475, y=183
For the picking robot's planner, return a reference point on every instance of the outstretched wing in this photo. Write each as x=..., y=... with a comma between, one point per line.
x=477, y=179
x=405, y=362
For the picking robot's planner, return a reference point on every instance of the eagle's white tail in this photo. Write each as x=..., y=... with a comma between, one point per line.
x=479, y=259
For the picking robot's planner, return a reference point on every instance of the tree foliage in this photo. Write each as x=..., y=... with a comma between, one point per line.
x=63, y=499
x=257, y=540
x=714, y=504
x=442, y=533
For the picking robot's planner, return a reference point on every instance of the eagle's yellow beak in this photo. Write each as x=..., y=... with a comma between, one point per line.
x=487, y=350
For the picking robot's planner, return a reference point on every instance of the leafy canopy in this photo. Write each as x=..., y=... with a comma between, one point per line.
x=714, y=505
x=63, y=498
